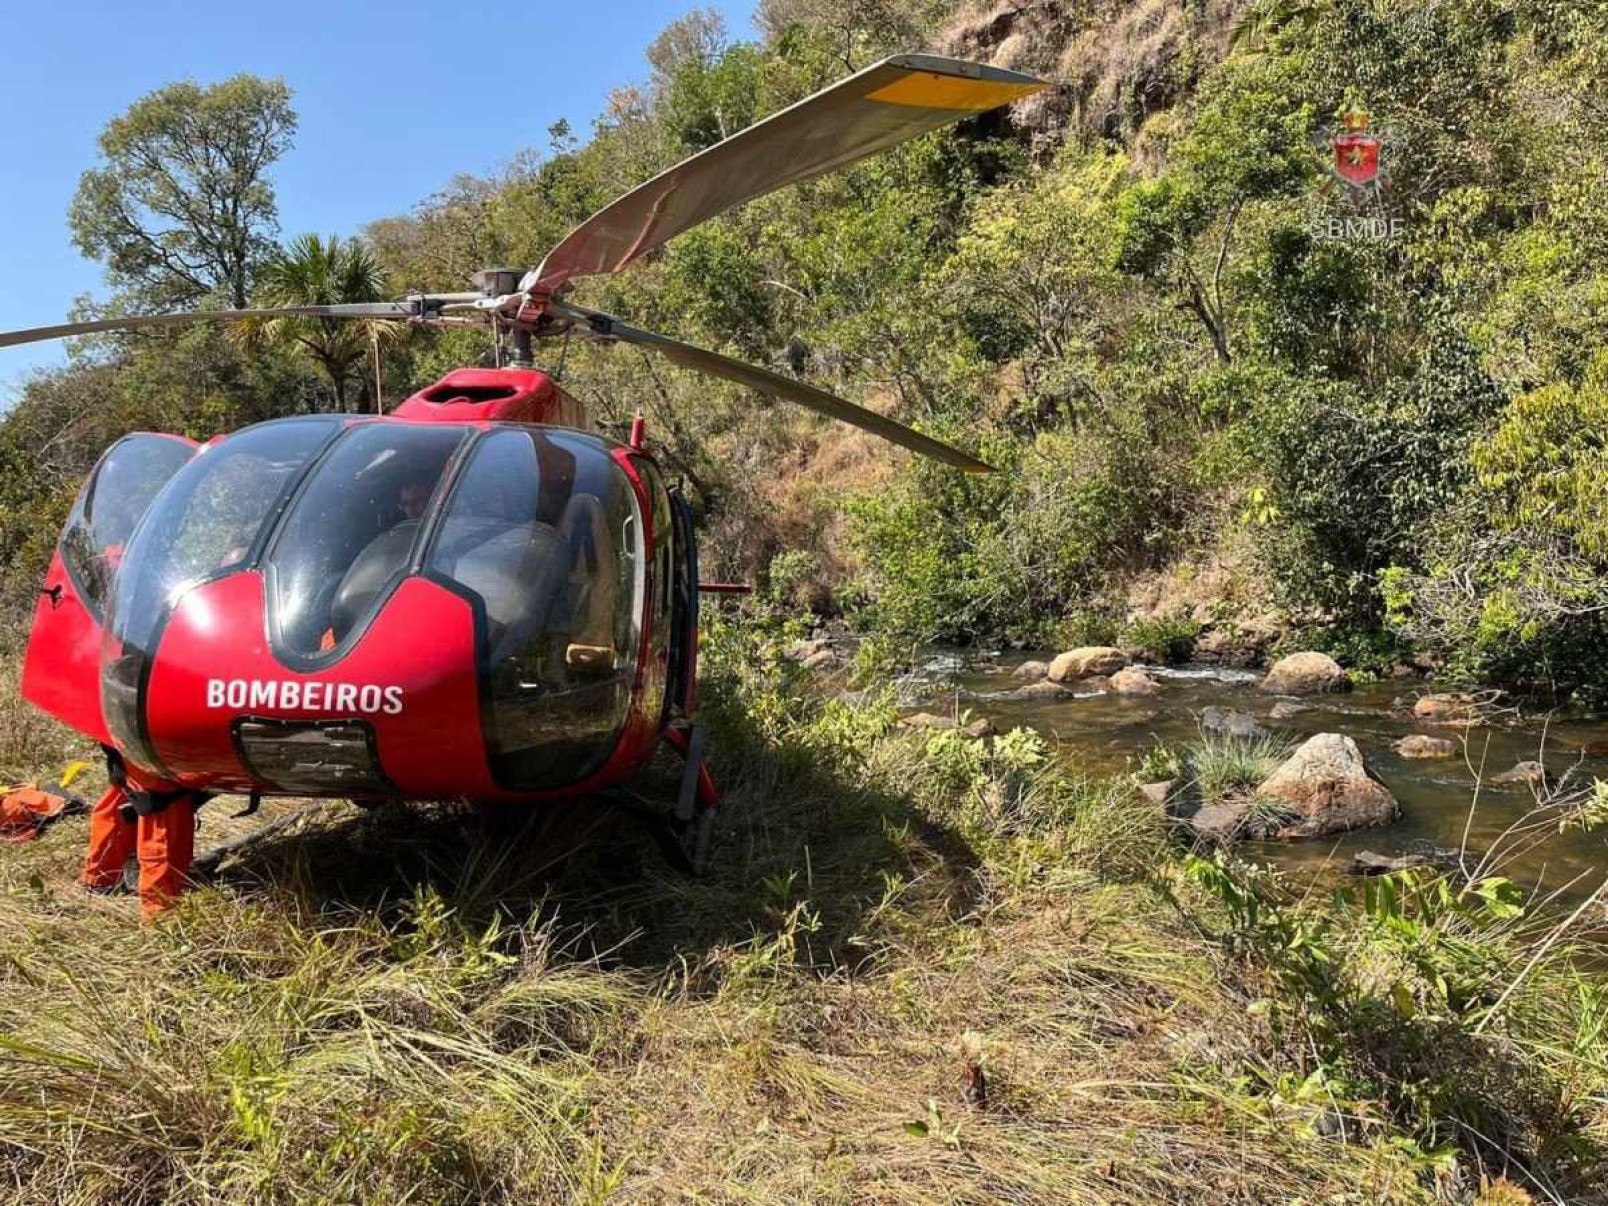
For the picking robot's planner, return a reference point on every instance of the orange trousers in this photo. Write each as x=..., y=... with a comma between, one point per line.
x=164, y=842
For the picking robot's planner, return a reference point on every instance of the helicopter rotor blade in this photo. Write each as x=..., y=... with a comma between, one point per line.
x=412, y=308
x=605, y=326
x=888, y=103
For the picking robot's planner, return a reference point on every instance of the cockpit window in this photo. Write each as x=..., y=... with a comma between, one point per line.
x=351, y=531
x=543, y=530
x=204, y=524
x=110, y=504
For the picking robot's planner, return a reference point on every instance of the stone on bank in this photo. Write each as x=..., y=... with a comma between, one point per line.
x=1307, y=673
x=1087, y=661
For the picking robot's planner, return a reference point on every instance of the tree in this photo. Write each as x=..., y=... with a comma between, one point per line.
x=1248, y=143
x=849, y=33
x=321, y=272
x=1031, y=280
x=181, y=208
x=696, y=38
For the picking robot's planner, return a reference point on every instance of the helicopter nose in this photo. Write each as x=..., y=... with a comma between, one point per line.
x=395, y=714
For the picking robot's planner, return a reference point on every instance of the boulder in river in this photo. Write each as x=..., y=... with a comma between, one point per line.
x=1222, y=822
x=802, y=651
x=1087, y=661
x=1031, y=671
x=1285, y=709
x=1307, y=673
x=1040, y=691
x=981, y=727
x=1324, y=788
x=1420, y=746
x=1447, y=709
x=1131, y=680
x=1528, y=773
x=1229, y=723
x=1369, y=862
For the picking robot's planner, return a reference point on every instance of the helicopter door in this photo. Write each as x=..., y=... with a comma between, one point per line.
x=61, y=672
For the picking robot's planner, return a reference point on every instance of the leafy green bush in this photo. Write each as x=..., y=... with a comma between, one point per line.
x=1354, y=474
x=1010, y=555
x=1514, y=586
x=1169, y=639
x=1452, y=1002
x=791, y=578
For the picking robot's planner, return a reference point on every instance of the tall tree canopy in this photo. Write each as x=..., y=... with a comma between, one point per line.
x=181, y=208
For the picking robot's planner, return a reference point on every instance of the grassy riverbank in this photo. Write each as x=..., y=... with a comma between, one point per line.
x=435, y=1006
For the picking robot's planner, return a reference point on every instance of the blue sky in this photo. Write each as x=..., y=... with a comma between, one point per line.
x=394, y=100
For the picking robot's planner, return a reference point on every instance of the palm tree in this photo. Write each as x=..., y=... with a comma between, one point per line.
x=318, y=272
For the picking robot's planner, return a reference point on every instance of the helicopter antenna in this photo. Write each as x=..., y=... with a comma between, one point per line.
x=379, y=380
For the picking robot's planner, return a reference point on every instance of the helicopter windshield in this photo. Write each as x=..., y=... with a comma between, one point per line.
x=350, y=533
x=537, y=528
x=207, y=522
x=542, y=530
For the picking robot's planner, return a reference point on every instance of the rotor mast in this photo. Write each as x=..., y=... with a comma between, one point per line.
x=495, y=283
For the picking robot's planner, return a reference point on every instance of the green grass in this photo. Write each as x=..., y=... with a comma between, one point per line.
x=1227, y=769
x=439, y=1004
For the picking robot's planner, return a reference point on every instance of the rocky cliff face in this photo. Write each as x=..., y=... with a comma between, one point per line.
x=1118, y=62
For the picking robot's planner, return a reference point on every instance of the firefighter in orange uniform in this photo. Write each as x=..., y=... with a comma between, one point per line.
x=155, y=822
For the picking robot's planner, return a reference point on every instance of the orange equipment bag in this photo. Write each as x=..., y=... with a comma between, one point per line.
x=27, y=811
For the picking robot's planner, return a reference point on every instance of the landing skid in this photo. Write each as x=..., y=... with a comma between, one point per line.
x=692, y=824
x=684, y=834
x=206, y=863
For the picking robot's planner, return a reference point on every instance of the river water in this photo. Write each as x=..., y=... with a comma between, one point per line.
x=1102, y=733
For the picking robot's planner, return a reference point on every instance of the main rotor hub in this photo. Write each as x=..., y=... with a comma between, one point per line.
x=501, y=286
x=498, y=282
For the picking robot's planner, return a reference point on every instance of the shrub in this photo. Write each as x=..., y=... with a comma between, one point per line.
x=959, y=560
x=1355, y=473
x=1169, y=639
x=792, y=579
x=1513, y=584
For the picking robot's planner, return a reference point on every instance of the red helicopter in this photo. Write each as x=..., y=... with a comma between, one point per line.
x=476, y=596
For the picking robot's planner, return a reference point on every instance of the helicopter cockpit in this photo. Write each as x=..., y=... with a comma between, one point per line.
x=538, y=529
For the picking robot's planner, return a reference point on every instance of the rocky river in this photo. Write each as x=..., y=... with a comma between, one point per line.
x=1467, y=794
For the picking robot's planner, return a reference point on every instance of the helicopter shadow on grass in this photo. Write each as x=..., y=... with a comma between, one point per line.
x=787, y=836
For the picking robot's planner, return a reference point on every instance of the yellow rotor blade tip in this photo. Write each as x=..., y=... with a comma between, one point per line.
x=929, y=90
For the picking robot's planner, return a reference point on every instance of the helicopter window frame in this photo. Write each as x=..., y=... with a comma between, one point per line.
x=658, y=612
x=408, y=566
x=92, y=593
x=631, y=606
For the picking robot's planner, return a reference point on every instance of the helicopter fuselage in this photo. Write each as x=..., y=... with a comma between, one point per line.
x=472, y=597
